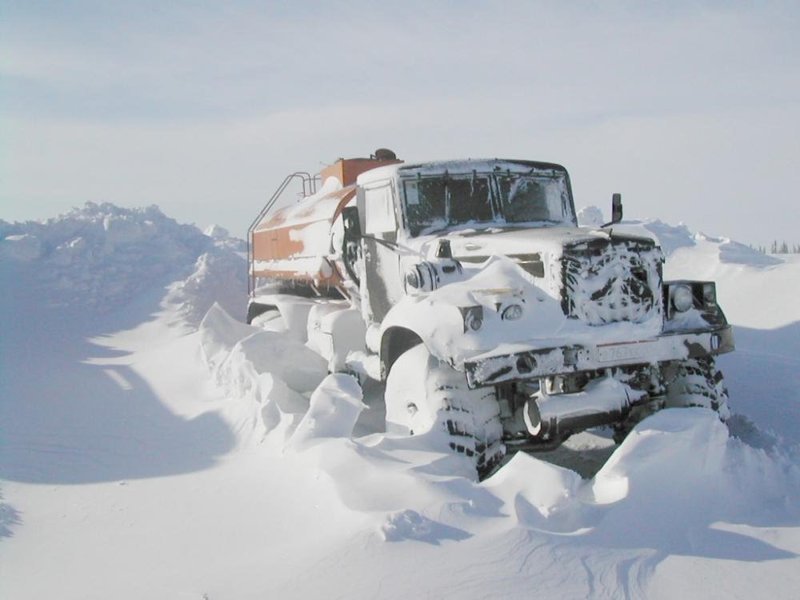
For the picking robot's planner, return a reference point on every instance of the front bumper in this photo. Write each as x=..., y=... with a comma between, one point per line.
x=524, y=363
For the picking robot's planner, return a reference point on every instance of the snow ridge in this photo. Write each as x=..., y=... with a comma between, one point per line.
x=685, y=506
x=101, y=256
x=672, y=238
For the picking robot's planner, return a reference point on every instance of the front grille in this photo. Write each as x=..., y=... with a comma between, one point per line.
x=608, y=281
x=530, y=263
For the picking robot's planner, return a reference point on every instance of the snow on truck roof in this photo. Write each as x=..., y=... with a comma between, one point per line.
x=458, y=166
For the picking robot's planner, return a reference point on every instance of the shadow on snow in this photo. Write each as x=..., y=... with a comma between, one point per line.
x=63, y=421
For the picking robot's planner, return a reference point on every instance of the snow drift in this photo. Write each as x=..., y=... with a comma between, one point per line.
x=133, y=452
x=101, y=256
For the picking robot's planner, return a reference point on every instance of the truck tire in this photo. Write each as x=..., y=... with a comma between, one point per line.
x=698, y=382
x=255, y=310
x=425, y=396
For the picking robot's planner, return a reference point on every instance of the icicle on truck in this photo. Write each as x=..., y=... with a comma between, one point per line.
x=495, y=321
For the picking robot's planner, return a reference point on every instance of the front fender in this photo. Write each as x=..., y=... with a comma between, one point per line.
x=414, y=320
x=438, y=318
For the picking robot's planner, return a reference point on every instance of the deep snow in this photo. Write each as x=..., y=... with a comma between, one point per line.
x=153, y=446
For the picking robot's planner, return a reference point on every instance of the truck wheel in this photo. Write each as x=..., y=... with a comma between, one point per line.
x=427, y=396
x=255, y=310
x=698, y=382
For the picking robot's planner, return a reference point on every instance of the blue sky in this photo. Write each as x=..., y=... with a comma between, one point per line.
x=691, y=110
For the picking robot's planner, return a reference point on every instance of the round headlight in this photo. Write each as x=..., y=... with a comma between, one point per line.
x=473, y=317
x=512, y=312
x=421, y=277
x=682, y=298
x=473, y=321
x=412, y=278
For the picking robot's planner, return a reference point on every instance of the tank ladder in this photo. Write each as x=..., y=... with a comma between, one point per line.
x=309, y=183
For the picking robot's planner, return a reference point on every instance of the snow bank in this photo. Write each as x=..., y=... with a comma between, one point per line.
x=410, y=525
x=685, y=459
x=538, y=494
x=102, y=256
x=736, y=253
x=675, y=478
x=678, y=472
x=223, y=239
x=219, y=276
x=590, y=216
x=679, y=503
x=679, y=477
x=333, y=411
x=674, y=238
x=669, y=237
x=267, y=368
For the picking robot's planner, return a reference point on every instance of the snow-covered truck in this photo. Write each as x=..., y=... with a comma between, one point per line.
x=496, y=323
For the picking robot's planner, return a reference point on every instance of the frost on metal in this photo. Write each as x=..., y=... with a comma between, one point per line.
x=608, y=281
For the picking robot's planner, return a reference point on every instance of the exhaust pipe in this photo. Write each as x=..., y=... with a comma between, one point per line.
x=601, y=402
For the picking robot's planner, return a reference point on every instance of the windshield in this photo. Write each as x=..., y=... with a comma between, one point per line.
x=442, y=201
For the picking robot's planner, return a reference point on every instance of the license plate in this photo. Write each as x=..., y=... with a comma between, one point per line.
x=626, y=352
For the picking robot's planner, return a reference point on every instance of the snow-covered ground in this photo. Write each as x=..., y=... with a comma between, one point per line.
x=153, y=446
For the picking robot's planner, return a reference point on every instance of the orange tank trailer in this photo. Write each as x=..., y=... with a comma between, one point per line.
x=291, y=244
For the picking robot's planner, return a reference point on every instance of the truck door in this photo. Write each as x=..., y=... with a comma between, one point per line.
x=381, y=286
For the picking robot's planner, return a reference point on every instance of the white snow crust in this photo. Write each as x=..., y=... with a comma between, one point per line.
x=590, y=216
x=101, y=256
x=154, y=446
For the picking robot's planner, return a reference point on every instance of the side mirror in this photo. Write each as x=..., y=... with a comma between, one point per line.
x=352, y=226
x=616, y=208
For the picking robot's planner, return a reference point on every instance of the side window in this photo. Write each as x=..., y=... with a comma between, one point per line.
x=379, y=209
